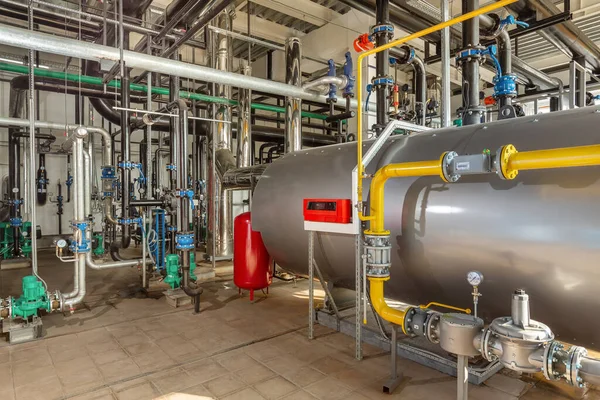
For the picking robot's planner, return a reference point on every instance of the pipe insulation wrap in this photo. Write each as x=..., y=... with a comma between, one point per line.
x=22, y=38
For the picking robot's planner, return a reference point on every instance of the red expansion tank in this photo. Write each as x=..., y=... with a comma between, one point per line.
x=251, y=261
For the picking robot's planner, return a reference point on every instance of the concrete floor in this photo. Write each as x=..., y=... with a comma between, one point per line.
x=124, y=345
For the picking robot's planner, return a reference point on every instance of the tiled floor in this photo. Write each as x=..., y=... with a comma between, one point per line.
x=123, y=345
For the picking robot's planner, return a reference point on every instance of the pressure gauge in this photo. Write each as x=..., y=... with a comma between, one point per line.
x=475, y=278
x=61, y=243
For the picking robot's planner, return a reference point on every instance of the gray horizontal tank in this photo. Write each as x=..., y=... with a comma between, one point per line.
x=540, y=232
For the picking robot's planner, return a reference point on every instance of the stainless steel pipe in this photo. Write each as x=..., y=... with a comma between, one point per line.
x=293, y=104
x=22, y=38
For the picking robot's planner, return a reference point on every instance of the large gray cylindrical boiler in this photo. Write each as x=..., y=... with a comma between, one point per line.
x=540, y=232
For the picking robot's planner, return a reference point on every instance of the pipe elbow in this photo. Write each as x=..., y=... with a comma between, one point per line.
x=381, y=307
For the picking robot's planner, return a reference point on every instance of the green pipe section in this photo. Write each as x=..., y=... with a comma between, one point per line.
x=93, y=80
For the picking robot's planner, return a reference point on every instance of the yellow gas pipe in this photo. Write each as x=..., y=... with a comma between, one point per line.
x=394, y=43
x=396, y=170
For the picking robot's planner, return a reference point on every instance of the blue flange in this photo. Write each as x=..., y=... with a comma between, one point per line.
x=505, y=85
x=383, y=81
x=185, y=241
x=16, y=222
x=171, y=167
x=109, y=172
x=385, y=28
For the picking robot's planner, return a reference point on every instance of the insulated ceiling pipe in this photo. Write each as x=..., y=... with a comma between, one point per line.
x=23, y=38
x=220, y=226
x=293, y=105
x=515, y=232
x=566, y=36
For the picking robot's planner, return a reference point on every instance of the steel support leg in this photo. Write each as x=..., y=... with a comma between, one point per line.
x=358, y=306
x=311, y=286
x=462, y=377
x=327, y=291
x=395, y=378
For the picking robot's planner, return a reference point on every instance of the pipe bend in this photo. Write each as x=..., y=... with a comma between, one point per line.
x=93, y=265
x=381, y=307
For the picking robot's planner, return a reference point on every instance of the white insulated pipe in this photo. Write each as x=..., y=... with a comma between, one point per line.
x=22, y=38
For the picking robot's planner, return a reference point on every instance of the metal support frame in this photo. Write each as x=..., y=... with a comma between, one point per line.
x=462, y=378
x=312, y=268
x=311, y=286
x=577, y=84
x=391, y=384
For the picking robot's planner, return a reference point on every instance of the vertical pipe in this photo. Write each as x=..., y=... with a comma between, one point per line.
x=244, y=127
x=125, y=157
x=462, y=377
x=220, y=200
x=445, y=101
x=32, y=183
x=382, y=64
x=146, y=167
x=472, y=112
x=293, y=106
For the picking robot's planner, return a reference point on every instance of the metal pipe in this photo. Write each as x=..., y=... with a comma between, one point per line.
x=378, y=302
x=125, y=156
x=590, y=370
x=244, y=156
x=395, y=43
x=106, y=109
x=421, y=86
x=212, y=9
x=445, y=102
x=293, y=105
x=472, y=111
x=382, y=65
x=78, y=212
x=321, y=85
x=569, y=37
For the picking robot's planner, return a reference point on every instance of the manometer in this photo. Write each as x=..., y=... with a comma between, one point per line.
x=61, y=243
x=475, y=278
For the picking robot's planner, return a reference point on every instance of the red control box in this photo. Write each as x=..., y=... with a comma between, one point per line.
x=337, y=211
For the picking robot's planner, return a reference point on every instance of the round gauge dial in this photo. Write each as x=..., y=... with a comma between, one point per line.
x=475, y=278
x=61, y=243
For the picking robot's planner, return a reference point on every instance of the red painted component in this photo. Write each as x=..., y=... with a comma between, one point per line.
x=252, y=264
x=363, y=43
x=337, y=211
x=489, y=101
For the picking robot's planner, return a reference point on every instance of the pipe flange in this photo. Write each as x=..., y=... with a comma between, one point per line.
x=549, y=360
x=486, y=352
x=431, y=327
x=446, y=159
x=503, y=155
x=406, y=327
x=495, y=30
x=80, y=132
x=471, y=53
x=573, y=365
x=383, y=29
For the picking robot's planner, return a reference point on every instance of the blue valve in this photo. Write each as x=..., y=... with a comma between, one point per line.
x=510, y=20
x=348, y=66
x=491, y=51
x=332, y=87
x=369, y=91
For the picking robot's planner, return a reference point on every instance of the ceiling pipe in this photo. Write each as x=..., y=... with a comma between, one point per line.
x=23, y=38
x=566, y=36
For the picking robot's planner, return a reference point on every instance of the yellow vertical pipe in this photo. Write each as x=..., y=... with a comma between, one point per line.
x=362, y=56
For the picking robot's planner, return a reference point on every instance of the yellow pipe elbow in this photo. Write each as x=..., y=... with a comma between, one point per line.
x=377, y=191
x=378, y=301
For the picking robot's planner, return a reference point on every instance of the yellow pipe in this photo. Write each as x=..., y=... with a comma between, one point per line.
x=397, y=42
x=378, y=302
x=580, y=156
x=420, y=168
x=449, y=307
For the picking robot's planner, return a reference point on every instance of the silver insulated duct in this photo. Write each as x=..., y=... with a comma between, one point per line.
x=220, y=209
x=540, y=232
